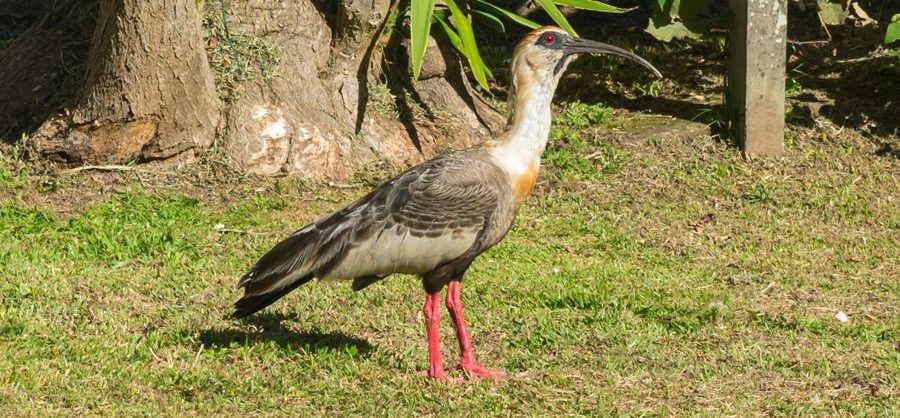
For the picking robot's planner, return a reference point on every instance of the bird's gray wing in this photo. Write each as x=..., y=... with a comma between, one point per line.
x=427, y=215
x=423, y=218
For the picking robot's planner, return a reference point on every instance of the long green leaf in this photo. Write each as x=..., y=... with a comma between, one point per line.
x=467, y=36
x=451, y=34
x=488, y=7
x=556, y=15
x=419, y=28
x=592, y=5
x=489, y=19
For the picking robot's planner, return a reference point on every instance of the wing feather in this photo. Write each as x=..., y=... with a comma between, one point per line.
x=431, y=215
x=426, y=216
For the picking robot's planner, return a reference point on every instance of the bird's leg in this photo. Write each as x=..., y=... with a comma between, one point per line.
x=467, y=355
x=432, y=318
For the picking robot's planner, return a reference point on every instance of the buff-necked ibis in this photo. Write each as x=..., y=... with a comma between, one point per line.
x=434, y=219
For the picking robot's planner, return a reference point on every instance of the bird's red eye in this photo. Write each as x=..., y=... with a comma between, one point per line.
x=549, y=38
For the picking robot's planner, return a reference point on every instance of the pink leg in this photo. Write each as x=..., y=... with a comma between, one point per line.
x=467, y=356
x=432, y=318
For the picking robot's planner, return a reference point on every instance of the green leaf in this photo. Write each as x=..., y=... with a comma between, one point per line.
x=556, y=15
x=893, y=30
x=467, y=36
x=678, y=19
x=687, y=11
x=665, y=29
x=483, y=5
x=419, y=28
x=670, y=8
x=489, y=19
x=441, y=18
x=592, y=5
x=832, y=13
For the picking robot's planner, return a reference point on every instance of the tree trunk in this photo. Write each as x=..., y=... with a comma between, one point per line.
x=316, y=118
x=43, y=67
x=307, y=87
x=148, y=93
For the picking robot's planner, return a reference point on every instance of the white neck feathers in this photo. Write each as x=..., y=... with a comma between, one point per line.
x=519, y=147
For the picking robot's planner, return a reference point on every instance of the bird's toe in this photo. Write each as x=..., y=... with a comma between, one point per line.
x=474, y=371
x=439, y=376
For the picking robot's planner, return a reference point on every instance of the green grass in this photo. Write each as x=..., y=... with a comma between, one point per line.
x=684, y=281
x=573, y=151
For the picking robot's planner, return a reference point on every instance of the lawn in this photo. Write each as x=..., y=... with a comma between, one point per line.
x=651, y=273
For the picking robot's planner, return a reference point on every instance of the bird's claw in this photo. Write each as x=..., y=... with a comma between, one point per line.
x=474, y=371
x=471, y=371
x=439, y=375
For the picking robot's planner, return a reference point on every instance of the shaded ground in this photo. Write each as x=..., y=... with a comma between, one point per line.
x=849, y=80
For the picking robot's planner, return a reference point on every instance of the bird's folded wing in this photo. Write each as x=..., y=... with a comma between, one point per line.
x=451, y=194
x=428, y=215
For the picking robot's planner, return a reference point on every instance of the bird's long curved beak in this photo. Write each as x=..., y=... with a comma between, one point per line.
x=587, y=46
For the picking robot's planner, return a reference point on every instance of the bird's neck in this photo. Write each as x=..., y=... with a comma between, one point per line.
x=519, y=147
x=525, y=136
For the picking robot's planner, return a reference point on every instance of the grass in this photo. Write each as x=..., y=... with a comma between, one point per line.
x=679, y=280
x=573, y=151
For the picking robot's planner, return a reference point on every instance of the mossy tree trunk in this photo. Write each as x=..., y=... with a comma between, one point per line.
x=147, y=94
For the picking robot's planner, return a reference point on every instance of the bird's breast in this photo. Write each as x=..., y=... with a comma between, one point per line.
x=522, y=183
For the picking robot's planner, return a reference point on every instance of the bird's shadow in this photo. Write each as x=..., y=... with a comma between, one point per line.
x=269, y=328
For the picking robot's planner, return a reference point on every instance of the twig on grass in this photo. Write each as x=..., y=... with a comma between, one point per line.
x=113, y=167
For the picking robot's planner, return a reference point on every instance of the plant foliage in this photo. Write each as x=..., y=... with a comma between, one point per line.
x=893, y=30
x=455, y=18
x=677, y=19
x=420, y=21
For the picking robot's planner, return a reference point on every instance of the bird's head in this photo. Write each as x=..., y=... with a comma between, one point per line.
x=542, y=56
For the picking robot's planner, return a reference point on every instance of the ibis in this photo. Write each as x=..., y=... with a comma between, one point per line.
x=434, y=219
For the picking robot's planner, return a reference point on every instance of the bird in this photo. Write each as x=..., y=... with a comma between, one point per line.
x=434, y=219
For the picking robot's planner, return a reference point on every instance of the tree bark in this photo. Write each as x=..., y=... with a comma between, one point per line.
x=43, y=67
x=314, y=119
x=148, y=92
x=303, y=103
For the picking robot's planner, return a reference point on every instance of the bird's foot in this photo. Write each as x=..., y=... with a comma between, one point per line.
x=439, y=375
x=474, y=371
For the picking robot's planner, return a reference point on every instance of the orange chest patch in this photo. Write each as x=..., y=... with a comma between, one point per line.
x=523, y=184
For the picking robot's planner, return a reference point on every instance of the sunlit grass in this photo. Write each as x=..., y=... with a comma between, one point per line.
x=686, y=280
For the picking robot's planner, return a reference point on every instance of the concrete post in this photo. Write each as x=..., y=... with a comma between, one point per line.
x=756, y=73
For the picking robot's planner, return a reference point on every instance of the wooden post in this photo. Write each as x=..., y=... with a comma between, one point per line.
x=756, y=73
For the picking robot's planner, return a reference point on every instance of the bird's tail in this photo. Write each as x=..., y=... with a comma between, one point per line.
x=288, y=265
x=251, y=303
